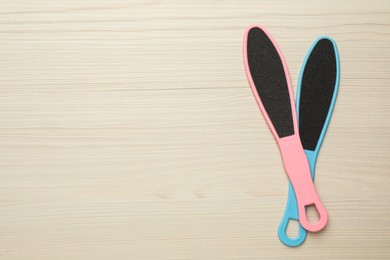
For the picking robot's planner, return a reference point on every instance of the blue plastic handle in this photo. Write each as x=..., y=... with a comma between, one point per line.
x=291, y=211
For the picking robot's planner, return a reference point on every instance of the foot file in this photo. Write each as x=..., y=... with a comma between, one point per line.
x=270, y=83
x=316, y=96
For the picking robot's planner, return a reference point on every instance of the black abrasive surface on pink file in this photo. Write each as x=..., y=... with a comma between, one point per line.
x=317, y=87
x=270, y=80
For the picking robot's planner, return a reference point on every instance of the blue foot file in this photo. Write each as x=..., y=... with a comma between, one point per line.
x=316, y=96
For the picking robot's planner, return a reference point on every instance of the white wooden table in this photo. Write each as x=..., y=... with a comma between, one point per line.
x=128, y=131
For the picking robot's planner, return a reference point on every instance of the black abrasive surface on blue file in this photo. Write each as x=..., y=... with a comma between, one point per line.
x=270, y=80
x=317, y=88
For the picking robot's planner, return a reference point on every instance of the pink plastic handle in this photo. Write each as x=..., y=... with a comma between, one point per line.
x=294, y=158
x=297, y=167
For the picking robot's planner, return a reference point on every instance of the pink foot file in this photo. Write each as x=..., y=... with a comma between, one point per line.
x=270, y=83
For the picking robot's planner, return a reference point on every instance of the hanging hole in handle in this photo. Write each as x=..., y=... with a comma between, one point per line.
x=291, y=233
x=313, y=216
x=292, y=229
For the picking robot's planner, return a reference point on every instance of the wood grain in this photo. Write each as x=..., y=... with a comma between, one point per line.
x=128, y=131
